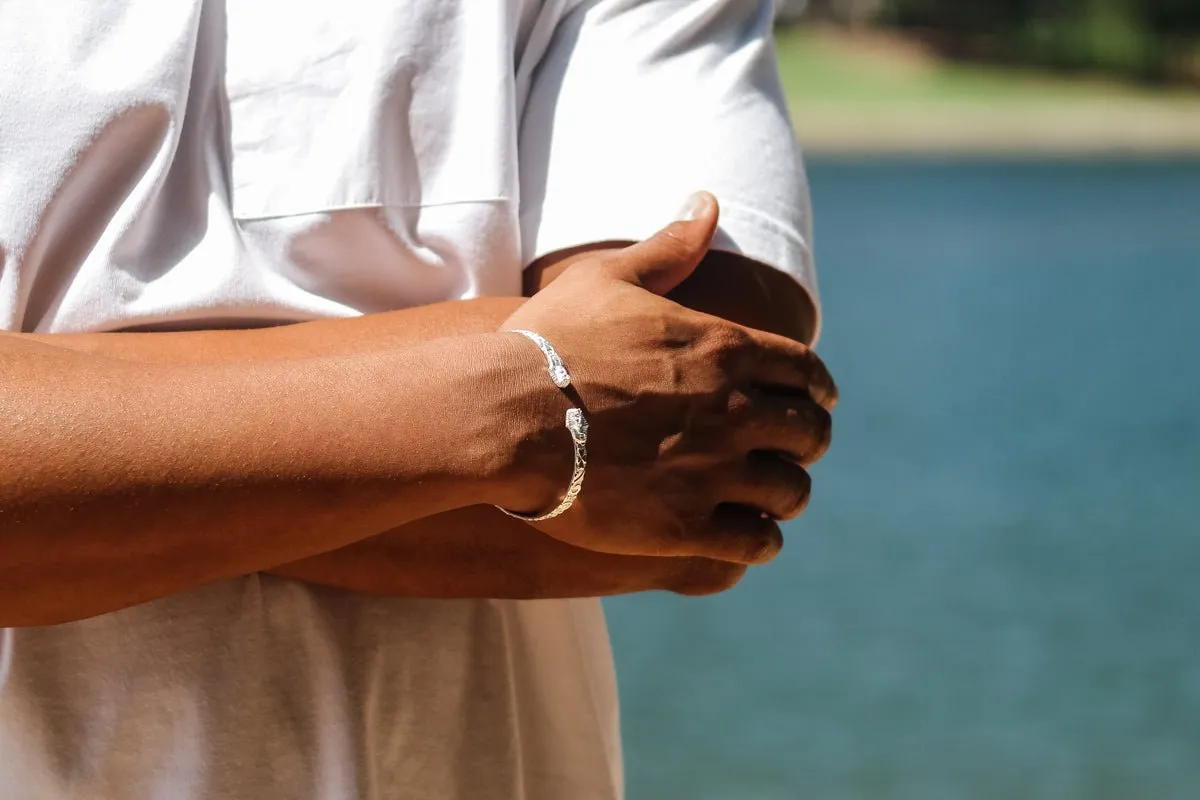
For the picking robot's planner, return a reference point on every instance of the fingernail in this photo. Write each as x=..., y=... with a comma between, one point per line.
x=693, y=207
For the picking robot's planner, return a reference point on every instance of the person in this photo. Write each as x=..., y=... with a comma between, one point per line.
x=263, y=408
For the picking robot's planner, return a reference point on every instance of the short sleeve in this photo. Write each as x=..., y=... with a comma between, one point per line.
x=635, y=105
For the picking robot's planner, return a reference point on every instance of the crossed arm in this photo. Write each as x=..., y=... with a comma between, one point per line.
x=465, y=552
x=479, y=552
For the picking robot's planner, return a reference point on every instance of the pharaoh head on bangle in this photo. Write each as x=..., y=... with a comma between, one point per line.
x=576, y=424
x=554, y=363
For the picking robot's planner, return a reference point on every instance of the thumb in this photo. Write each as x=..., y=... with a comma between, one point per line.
x=663, y=261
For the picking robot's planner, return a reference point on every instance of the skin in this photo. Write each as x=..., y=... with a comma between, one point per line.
x=117, y=510
x=479, y=552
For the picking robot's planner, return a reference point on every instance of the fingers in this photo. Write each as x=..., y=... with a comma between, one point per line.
x=696, y=577
x=666, y=259
x=737, y=530
x=740, y=534
x=772, y=485
x=776, y=361
x=791, y=424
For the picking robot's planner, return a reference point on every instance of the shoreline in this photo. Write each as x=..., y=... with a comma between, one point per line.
x=873, y=94
x=865, y=156
x=1067, y=134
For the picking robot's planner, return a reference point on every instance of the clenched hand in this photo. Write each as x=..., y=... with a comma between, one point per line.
x=700, y=428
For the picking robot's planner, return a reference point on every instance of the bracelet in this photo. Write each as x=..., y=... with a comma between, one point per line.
x=578, y=427
x=554, y=363
x=576, y=424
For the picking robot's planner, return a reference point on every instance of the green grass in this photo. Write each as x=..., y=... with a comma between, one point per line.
x=845, y=92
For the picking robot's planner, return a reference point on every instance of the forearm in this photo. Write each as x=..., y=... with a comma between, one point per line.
x=478, y=552
x=497, y=556
x=373, y=333
x=197, y=457
x=469, y=552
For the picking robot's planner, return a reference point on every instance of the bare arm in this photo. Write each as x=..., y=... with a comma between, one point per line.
x=477, y=551
x=123, y=481
x=91, y=568
x=468, y=552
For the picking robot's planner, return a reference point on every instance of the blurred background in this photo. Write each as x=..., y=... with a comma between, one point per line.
x=996, y=590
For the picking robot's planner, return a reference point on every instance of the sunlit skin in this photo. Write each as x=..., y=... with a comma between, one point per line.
x=365, y=453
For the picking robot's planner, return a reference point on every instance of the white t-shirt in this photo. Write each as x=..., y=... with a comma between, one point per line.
x=202, y=163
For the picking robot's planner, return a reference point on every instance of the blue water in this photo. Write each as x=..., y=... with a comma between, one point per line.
x=996, y=591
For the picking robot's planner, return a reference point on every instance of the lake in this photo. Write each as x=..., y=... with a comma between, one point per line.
x=996, y=590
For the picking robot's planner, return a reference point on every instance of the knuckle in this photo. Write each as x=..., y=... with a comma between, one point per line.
x=824, y=390
x=822, y=435
x=671, y=539
x=784, y=349
x=781, y=498
x=766, y=547
x=790, y=493
x=801, y=494
x=831, y=395
x=739, y=408
x=727, y=343
x=784, y=486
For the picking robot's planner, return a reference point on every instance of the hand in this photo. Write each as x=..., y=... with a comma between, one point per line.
x=477, y=552
x=699, y=428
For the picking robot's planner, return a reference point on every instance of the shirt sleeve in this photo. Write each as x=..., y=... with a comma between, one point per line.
x=636, y=104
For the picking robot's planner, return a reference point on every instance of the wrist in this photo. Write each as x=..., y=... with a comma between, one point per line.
x=517, y=433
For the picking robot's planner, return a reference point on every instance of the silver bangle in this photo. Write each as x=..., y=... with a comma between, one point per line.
x=576, y=424
x=554, y=363
x=578, y=427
